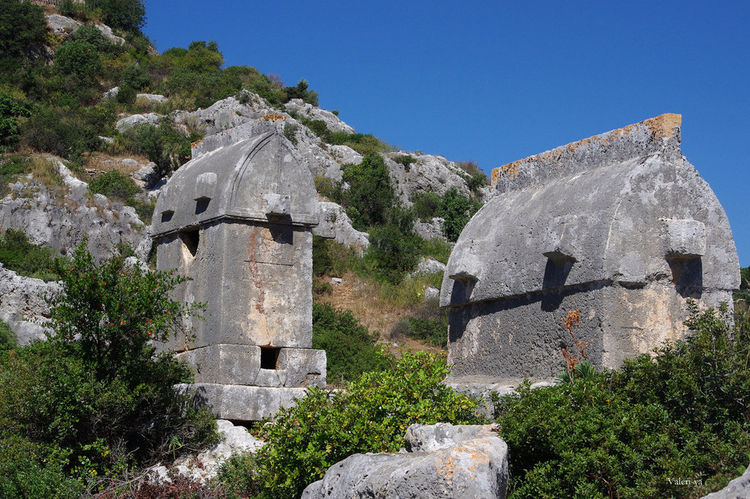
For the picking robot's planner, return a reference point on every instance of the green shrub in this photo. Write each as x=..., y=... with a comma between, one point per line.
x=682, y=415
x=363, y=144
x=370, y=415
x=10, y=110
x=319, y=128
x=350, y=347
x=34, y=470
x=8, y=339
x=127, y=15
x=164, y=144
x=320, y=288
x=290, y=132
x=406, y=160
x=23, y=31
x=370, y=194
x=25, y=258
x=428, y=324
x=96, y=389
x=332, y=258
x=427, y=206
x=328, y=188
x=437, y=249
x=237, y=476
x=392, y=253
x=144, y=209
x=10, y=169
x=114, y=184
x=457, y=210
x=302, y=91
x=67, y=132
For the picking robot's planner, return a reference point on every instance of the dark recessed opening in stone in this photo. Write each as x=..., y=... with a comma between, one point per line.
x=269, y=357
x=201, y=205
x=687, y=275
x=167, y=215
x=190, y=238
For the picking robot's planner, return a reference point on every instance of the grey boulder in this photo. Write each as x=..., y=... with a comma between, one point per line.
x=446, y=461
x=739, y=488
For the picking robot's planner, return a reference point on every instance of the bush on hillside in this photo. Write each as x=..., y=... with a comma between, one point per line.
x=637, y=431
x=27, y=259
x=127, y=15
x=370, y=194
x=427, y=206
x=332, y=258
x=11, y=108
x=370, y=415
x=7, y=337
x=302, y=91
x=392, y=253
x=120, y=187
x=406, y=160
x=428, y=323
x=164, y=144
x=65, y=131
x=115, y=185
x=362, y=143
x=10, y=169
x=23, y=31
x=350, y=347
x=457, y=210
x=96, y=394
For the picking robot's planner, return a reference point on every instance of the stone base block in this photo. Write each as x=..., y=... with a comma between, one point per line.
x=250, y=365
x=244, y=403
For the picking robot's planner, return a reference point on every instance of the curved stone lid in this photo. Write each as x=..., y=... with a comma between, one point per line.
x=658, y=134
x=604, y=222
x=260, y=179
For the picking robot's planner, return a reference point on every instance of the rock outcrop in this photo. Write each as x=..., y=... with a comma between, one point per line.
x=442, y=460
x=60, y=216
x=739, y=488
x=129, y=122
x=205, y=466
x=23, y=304
x=336, y=224
x=333, y=123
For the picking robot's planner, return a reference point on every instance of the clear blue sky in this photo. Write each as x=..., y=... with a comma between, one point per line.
x=497, y=81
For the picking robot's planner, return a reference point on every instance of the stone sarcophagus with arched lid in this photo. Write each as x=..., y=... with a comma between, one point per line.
x=238, y=221
x=619, y=226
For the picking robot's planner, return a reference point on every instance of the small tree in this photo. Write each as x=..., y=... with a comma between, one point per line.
x=115, y=313
x=370, y=192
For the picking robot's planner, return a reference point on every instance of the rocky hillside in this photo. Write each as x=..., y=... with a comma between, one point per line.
x=89, y=140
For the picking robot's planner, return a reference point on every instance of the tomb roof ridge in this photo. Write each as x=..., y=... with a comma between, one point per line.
x=660, y=134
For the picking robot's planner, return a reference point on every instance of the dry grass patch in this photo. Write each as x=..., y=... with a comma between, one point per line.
x=379, y=307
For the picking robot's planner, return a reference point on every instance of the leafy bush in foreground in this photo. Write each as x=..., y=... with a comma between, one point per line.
x=370, y=415
x=642, y=431
x=95, y=397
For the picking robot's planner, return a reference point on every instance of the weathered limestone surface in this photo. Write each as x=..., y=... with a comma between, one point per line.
x=444, y=461
x=245, y=403
x=238, y=221
x=333, y=123
x=136, y=119
x=206, y=465
x=619, y=226
x=739, y=488
x=428, y=173
x=23, y=306
x=60, y=216
x=336, y=224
